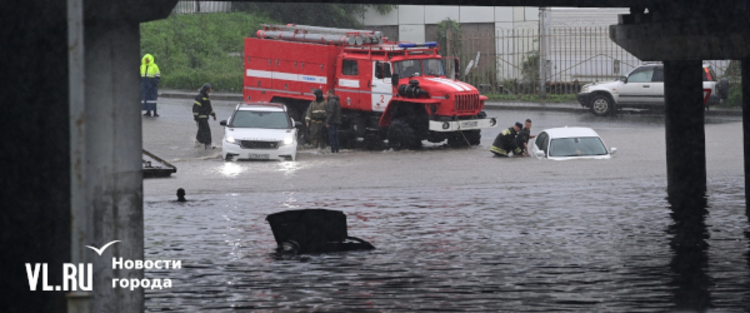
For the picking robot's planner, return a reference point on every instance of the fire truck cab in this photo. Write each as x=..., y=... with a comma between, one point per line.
x=387, y=90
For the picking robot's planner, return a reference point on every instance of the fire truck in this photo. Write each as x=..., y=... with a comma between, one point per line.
x=394, y=91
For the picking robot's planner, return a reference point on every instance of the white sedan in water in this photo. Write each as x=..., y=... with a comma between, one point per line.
x=568, y=143
x=260, y=131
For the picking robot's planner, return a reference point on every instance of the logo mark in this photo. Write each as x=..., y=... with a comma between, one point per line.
x=101, y=250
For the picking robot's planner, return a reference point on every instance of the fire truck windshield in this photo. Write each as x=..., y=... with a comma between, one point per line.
x=260, y=119
x=409, y=68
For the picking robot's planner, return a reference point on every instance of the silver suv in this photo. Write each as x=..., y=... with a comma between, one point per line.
x=642, y=88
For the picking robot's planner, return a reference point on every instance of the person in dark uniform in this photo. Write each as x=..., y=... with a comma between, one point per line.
x=333, y=120
x=505, y=142
x=522, y=139
x=315, y=117
x=201, y=110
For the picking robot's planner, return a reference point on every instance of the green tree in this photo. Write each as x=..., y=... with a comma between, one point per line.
x=317, y=14
x=443, y=28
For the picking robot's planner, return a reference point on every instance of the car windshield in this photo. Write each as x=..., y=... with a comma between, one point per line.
x=432, y=67
x=583, y=146
x=260, y=119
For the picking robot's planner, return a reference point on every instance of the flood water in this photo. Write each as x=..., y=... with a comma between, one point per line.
x=526, y=248
x=517, y=235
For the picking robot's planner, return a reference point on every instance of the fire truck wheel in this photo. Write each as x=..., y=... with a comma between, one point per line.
x=456, y=141
x=402, y=136
x=469, y=137
x=474, y=136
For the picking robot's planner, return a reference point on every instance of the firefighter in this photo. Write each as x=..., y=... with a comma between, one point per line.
x=150, y=77
x=505, y=142
x=315, y=117
x=333, y=120
x=201, y=110
x=522, y=139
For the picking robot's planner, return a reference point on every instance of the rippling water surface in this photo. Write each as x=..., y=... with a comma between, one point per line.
x=594, y=246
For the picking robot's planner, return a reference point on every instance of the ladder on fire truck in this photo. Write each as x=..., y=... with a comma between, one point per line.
x=324, y=35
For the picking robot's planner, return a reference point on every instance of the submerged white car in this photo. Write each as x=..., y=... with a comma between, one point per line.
x=260, y=131
x=568, y=143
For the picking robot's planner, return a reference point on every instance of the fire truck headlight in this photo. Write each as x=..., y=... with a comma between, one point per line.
x=446, y=125
x=493, y=122
x=229, y=139
x=447, y=96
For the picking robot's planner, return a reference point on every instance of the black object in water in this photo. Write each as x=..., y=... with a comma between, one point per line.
x=313, y=231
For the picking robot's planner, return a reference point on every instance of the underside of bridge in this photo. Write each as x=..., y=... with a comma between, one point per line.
x=72, y=150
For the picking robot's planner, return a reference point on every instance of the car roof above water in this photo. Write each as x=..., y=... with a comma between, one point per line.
x=261, y=106
x=571, y=132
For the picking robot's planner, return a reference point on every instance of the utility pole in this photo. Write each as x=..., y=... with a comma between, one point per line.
x=542, y=53
x=448, y=36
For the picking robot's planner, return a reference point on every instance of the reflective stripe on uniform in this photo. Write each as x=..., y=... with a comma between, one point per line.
x=198, y=103
x=498, y=150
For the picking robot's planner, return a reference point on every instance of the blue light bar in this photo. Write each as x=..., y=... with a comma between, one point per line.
x=429, y=44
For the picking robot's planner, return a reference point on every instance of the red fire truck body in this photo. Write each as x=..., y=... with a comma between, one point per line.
x=395, y=91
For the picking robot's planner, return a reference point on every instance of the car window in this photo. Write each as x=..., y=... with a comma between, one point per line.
x=641, y=76
x=349, y=67
x=565, y=147
x=541, y=141
x=382, y=69
x=658, y=75
x=433, y=67
x=408, y=68
x=260, y=119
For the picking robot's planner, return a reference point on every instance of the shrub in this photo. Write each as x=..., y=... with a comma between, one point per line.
x=198, y=48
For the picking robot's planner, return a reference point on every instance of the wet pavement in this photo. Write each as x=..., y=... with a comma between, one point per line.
x=455, y=229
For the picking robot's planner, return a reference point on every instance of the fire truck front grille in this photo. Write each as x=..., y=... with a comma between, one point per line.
x=467, y=103
x=252, y=144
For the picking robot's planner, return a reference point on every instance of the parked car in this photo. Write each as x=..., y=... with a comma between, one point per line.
x=642, y=88
x=568, y=143
x=260, y=131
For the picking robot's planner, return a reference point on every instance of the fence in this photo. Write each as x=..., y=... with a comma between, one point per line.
x=190, y=7
x=509, y=59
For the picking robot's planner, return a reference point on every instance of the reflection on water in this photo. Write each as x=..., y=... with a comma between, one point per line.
x=234, y=168
x=582, y=247
x=288, y=168
x=230, y=169
x=689, y=245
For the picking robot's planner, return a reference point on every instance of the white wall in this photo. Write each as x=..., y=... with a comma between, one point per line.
x=434, y=14
x=470, y=14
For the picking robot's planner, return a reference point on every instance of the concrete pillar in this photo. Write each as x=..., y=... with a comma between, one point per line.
x=34, y=175
x=114, y=183
x=685, y=136
x=71, y=160
x=746, y=127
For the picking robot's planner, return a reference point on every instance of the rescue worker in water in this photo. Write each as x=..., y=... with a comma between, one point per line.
x=315, y=119
x=505, y=142
x=201, y=110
